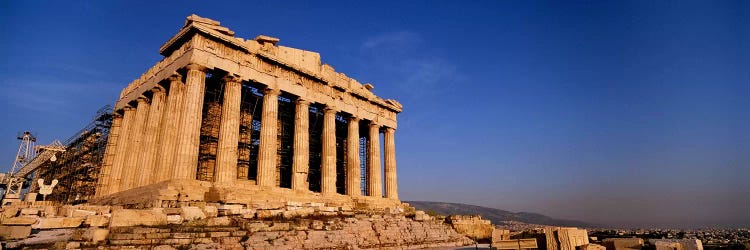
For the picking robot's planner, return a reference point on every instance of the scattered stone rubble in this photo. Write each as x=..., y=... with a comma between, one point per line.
x=203, y=225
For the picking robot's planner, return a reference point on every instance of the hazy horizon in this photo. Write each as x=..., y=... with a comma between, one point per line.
x=631, y=114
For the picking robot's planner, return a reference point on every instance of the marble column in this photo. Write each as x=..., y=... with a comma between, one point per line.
x=229, y=131
x=135, y=145
x=105, y=178
x=188, y=134
x=374, y=179
x=147, y=166
x=122, y=149
x=328, y=158
x=391, y=184
x=267, y=152
x=353, y=182
x=168, y=127
x=301, y=147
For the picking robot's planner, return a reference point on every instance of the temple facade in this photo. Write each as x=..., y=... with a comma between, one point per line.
x=225, y=119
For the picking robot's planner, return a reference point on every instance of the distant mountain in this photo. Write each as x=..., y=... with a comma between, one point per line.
x=497, y=216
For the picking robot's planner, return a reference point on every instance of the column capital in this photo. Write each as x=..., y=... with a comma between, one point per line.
x=389, y=129
x=232, y=78
x=352, y=119
x=142, y=99
x=175, y=77
x=270, y=91
x=198, y=67
x=158, y=89
x=302, y=101
x=374, y=125
x=329, y=110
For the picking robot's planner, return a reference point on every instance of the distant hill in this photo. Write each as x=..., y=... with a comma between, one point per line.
x=495, y=215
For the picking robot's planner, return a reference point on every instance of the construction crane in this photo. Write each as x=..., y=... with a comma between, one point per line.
x=28, y=159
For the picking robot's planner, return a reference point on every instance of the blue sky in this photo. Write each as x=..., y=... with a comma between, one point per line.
x=630, y=113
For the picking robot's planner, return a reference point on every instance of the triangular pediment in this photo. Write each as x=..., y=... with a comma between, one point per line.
x=208, y=27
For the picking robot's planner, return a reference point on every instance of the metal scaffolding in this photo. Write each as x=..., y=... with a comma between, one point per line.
x=78, y=168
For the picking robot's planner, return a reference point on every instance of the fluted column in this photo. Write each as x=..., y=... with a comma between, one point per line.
x=268, y=144
x=328, y=159
x=188, y=135
x=374, y=179
x=105, y=177
x=301, y=159
x=391, y=183
x=135, y=145
x=229, y=132
x=168, y=127
x=121, y=153
x=147, y=166
x=353, y=181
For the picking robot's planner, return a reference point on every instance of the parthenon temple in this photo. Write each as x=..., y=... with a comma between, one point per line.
x=231, y=120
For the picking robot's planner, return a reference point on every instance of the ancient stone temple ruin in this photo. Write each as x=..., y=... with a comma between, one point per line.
x=239, y=121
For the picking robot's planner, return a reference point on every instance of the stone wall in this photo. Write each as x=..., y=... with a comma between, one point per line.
x=472, y=226
x=216, y=226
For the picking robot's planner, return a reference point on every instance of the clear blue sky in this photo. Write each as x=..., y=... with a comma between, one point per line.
x=631, y=113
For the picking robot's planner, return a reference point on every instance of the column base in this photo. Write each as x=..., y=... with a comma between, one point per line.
x=176, y=193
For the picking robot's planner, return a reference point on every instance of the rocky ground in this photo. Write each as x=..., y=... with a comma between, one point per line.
x=214, y=226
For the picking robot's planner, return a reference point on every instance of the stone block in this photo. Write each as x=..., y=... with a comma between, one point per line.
x=73, y=245
x=135, y=217
x=293, y=204
x=247, y=213
x=96, y=220
x=255, y=227
x=279, y=226
x=29, y=211
x=231, y=209
x=192, y=213
x=592, y=246
x=81, y=213
x=316, y=225
x=298, y=213
x=174, y=219
x=49, y=211
x=327, y=209
x=58, y=222
x=20, y=221
x=9, y=211
x=316, y=204
x=172, y=210
x=500, y=234
x=622, y=243
x=211, y=211
x=219, y=222
x=267, y=214
x=515, y=244
x=14, y=232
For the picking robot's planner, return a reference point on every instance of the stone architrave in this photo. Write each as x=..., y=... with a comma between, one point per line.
x=391, y=184
x=374, y=179
x=353, y=187
x=148, y=159
x=268, y=136
x=301, y=149
x=328, y=158
x=226, y=157
x=135, y=144
x=188, y=135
